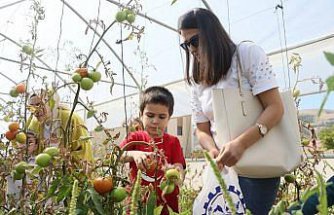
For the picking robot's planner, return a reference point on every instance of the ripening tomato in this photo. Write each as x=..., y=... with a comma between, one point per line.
x=10, y=135
x=103, y=185
x=83, y=72
x=14, y=126
x=21, y=88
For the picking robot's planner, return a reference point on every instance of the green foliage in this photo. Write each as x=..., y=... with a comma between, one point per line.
x=329, y=82
x=322, y=207
x=330, y=57
x=326, y=137
x=91, y=113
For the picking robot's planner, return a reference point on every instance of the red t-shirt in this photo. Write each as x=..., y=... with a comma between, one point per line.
x=171, y=147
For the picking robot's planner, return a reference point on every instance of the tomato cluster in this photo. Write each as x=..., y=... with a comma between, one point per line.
x=172, y=176
x=125, y=14
x=85, y=78
x=15, y=134
x=104, y=185
x=18, y=89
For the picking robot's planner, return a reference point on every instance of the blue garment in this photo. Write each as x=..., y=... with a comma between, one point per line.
x=259, y=193
x=310, y=206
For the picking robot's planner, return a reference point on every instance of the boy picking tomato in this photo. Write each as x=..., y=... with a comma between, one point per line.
x=153, y=149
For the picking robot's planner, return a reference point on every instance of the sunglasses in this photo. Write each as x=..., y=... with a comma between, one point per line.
x=193, y=41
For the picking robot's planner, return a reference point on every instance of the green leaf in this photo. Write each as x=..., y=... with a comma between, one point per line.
x=51, y=103
x=324, y=100
x=36, y=170
x=330, y=57
x=53, y=187
x=307, y=193
x=84, y=138
x=91, y=113
x=97, y=65
x=330, y=83
x=63, y=192
x=96, y=198
x=322, y=207
x=173, y=2
x=151, y=203
x=98, y=128
x=157, y=210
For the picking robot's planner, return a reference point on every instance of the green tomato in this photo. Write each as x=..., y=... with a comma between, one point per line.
x=21, y=137
x=167, y=187
x=27, y=49
x=127, y=11
x=119, y=194
x=289, y=178
x=121, y=16
x=17, y=176
x=21, y=167
x=131, y=18
x=86, y=83
x=172, y=174
x=52, y=151
x=43, y=160
x=95, y=76
x=13, y=93
x=76, y=77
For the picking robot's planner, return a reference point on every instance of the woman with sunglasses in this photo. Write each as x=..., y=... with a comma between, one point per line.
x=214, y=65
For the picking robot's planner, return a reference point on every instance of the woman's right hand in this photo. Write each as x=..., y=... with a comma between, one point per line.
x=214, y=152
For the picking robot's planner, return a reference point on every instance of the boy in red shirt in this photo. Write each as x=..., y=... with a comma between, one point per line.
x=156, y=108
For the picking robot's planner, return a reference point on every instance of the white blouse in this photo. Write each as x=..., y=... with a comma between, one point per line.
x=257, y=76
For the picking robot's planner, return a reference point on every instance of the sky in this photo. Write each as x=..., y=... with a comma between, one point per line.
x=161, y=61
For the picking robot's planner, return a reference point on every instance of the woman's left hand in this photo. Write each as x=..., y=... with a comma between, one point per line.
x=230, y=153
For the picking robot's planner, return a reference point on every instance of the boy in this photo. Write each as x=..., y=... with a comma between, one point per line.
x=156, y=108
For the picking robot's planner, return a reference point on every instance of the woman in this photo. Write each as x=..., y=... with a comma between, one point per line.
x=214, y=65
x=48, y=123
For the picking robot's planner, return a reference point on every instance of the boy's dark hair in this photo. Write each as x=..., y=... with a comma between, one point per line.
x=217, y=48
x=157, y=95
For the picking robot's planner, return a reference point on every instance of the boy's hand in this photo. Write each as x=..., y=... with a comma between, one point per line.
x=140, y=157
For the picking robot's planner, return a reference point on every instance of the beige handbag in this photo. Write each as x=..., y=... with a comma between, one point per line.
x=278, y=152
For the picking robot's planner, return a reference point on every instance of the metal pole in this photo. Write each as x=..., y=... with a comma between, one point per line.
x=144, y=16
x=56, y=71
x=105, y=42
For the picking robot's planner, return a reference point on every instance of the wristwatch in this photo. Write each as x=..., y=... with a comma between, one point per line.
x=262, y=129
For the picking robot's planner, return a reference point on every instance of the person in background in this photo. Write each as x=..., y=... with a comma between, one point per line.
x=49, y=122
x=156, y=108
x=211, y=55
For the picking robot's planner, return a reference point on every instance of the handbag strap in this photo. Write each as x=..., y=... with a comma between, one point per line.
x=240, y=67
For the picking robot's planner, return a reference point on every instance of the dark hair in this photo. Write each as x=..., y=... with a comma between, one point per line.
x=157, y=95
x=216, y=47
